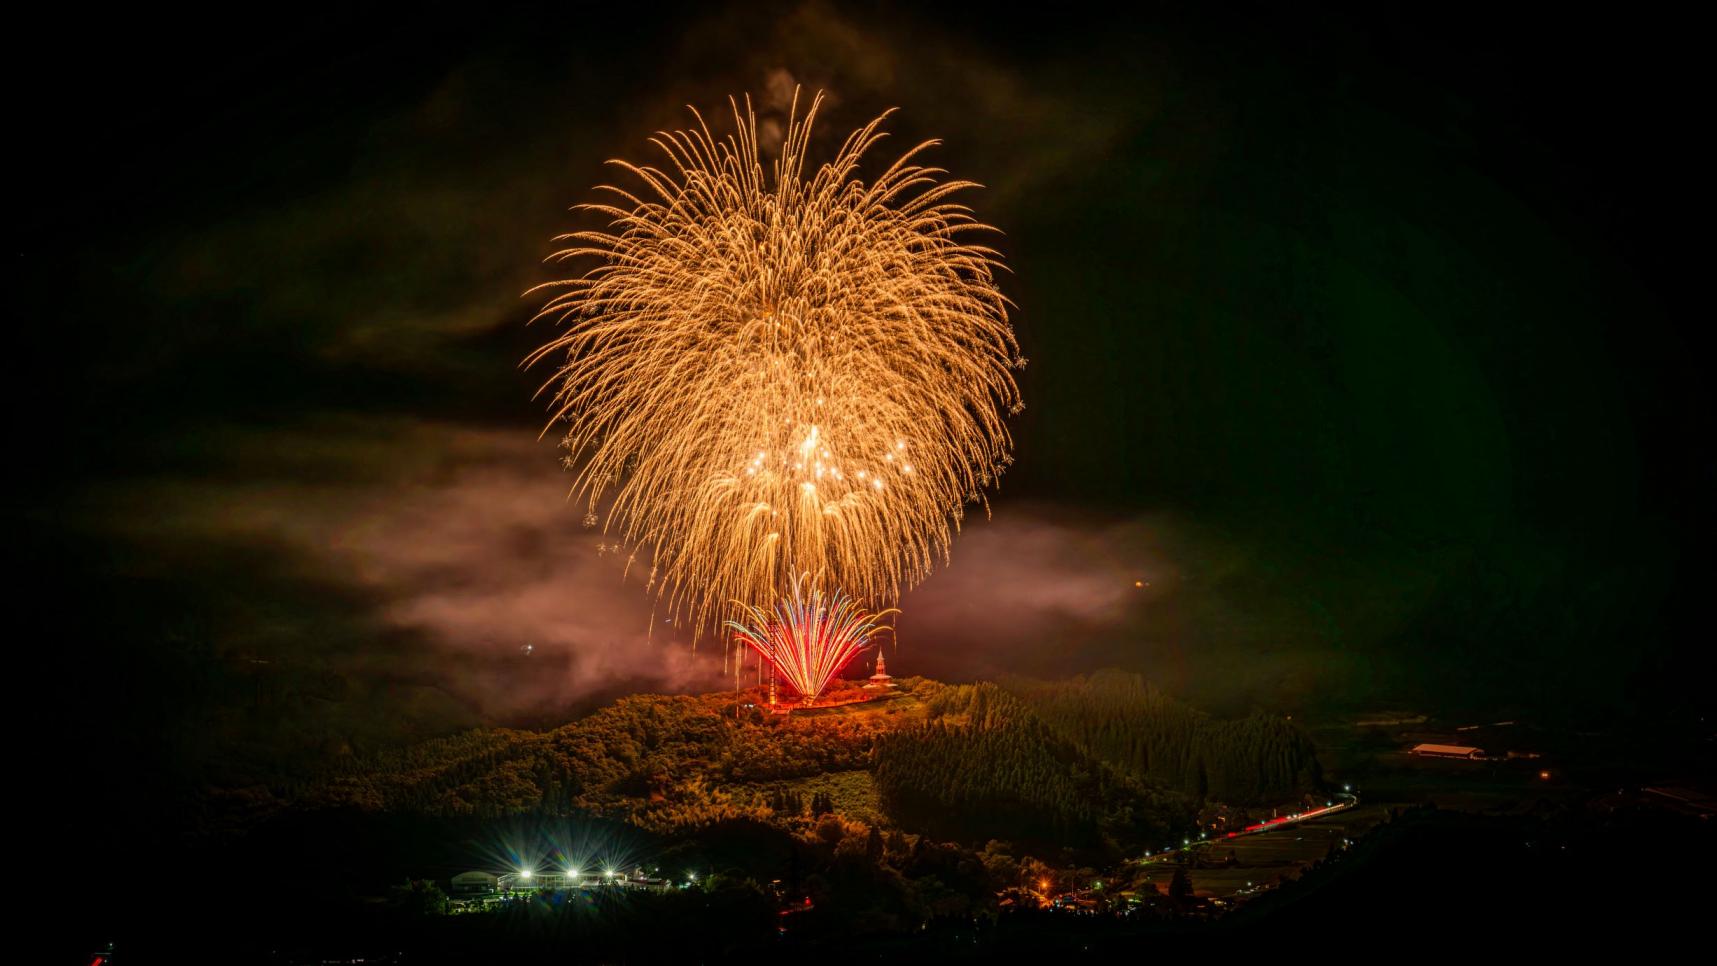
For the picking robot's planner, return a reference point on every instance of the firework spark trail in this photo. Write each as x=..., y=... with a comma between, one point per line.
x=810, y=637
x=768, y=372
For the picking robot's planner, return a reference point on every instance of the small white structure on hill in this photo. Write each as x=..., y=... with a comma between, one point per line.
x=880, y=681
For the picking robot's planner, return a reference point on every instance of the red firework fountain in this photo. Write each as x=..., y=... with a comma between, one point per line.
x=808, y=640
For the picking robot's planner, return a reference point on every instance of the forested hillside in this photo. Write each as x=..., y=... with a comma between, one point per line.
x=1121, y=719
x=1102, y=763
x=657, y=761
x=985, y=766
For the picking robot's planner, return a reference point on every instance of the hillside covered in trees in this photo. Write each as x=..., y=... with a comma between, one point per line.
x=1102, y=764
x=1123, y=720
x=983, y=765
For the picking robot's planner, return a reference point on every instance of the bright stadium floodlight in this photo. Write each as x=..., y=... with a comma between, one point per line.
x=524, y=873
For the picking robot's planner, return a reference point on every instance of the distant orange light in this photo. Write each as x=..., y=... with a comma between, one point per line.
x=1138, y=583
x=1043, y=884
x=1544, y=775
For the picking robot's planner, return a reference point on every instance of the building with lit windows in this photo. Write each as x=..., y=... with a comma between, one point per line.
x=475, y=883
x=1447, y=751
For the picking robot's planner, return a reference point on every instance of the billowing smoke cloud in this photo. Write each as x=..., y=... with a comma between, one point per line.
x=1026, y=582
x=474, y=574
x=459, y=540
x=464, y=549
x=1043, y=591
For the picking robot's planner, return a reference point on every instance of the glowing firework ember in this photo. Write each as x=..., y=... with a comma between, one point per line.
x=770, y=372
x=809, y=638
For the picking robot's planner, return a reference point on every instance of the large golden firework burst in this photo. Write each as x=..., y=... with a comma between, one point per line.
x=768, y=372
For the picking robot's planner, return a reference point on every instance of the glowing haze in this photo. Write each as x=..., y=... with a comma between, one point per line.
x=768, y=371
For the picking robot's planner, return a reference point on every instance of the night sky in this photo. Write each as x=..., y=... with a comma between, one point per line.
x=1361, y=342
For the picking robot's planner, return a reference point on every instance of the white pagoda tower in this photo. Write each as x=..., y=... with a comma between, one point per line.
x=880, y=681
